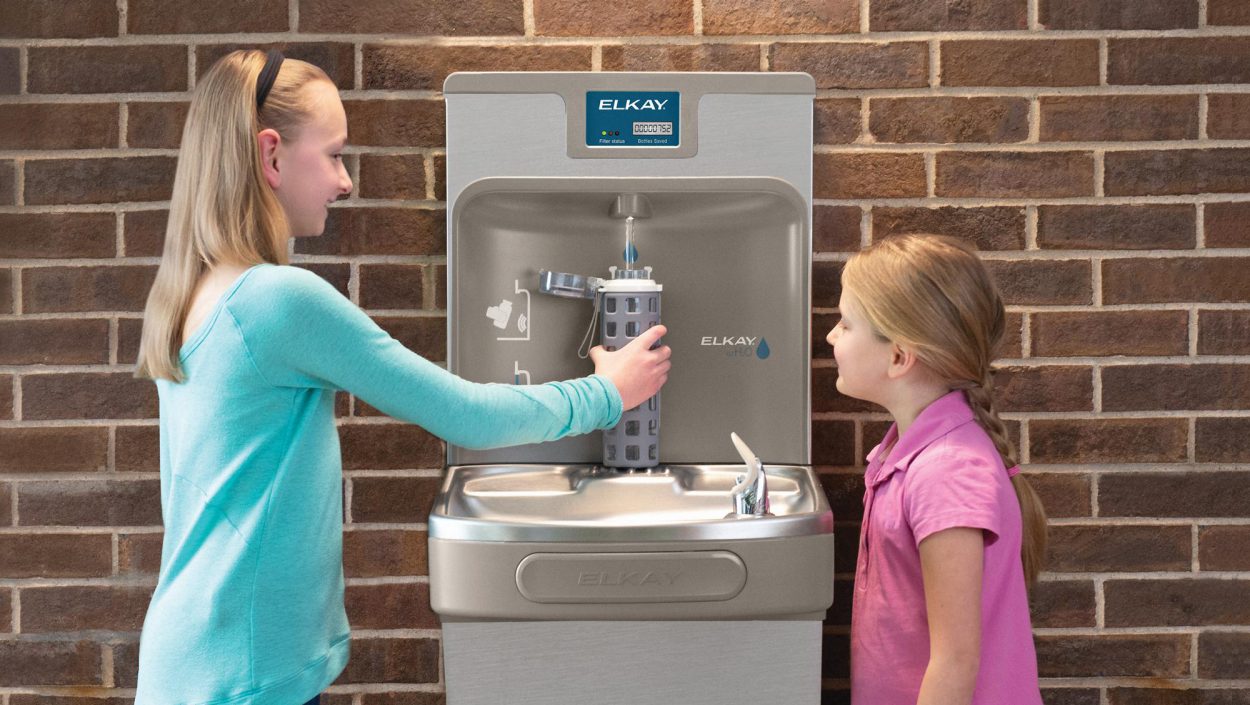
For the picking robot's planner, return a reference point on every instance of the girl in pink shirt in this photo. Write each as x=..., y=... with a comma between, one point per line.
x=952, y=535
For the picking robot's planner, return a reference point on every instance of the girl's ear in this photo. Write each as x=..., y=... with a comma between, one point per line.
x=269, y=140
x=902, y=360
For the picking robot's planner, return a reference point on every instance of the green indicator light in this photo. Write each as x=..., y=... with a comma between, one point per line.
x=604, y=133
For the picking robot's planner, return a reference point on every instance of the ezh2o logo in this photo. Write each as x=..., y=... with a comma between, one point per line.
x=739, y=345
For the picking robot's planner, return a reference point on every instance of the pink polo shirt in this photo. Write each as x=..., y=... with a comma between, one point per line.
x=943, y=473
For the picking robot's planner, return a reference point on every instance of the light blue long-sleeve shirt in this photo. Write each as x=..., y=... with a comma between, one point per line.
x=249, y=603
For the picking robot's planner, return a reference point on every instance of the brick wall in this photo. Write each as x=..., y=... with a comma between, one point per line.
x=1098, y=151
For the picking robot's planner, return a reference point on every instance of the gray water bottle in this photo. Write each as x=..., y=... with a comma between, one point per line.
x=629, y=304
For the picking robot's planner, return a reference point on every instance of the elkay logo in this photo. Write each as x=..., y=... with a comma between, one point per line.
x=739, y=345
x=635, y=578
x=632, y=104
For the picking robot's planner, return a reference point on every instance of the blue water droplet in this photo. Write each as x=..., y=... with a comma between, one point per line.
x=762, y=351
x=630, y=254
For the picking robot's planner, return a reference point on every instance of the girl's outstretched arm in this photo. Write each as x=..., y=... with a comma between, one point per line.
x=951, y=563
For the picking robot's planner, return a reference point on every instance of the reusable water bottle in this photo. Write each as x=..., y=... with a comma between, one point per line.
x=629, y=304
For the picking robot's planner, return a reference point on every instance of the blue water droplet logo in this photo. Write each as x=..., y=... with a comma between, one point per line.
x=630, y=254
x=762, y=351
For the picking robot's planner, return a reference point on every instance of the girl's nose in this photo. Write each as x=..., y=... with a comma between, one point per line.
x=345, y=180
x=832, y=338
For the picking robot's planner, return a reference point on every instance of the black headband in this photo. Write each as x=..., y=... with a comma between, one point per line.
x=264, y=82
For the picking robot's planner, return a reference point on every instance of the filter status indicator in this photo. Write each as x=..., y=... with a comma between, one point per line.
x=633, y=118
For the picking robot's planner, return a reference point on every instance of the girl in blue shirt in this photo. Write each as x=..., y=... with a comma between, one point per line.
x=247, y=354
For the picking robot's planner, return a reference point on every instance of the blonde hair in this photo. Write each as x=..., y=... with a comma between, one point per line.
x=222, y=210
x=933, y=295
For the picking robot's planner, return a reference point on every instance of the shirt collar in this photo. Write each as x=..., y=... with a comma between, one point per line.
x=939, y=418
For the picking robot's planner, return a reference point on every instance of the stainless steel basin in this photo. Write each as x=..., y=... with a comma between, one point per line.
x=586, y=503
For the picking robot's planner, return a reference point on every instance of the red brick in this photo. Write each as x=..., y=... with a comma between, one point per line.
x=139, y=554
x=6, y=397
x=26, y=699
x=393, y=499
x=55, y=555
x=1012, y=344
x=64, y=289
x=845, y=492
x=106, y=69
x=1099, y=549
x=392, y=661
x=8, y=183
x=1178, y=61
x=396, y=123
x=439, y=274
x=384, y=553
x=87, y=396
x=835, y=659
x=1227, y=116
x=836, y=120
x=1220, y=440
x=826, y=284
x=143, y=232
x=822, y=323
x=1029, y=62
x=416, y=17
x=424, y=336
x=138, y=448
x=1118, y=118
x=1182, y=696
x=1043, y=282
x=57, y=235
x=1071, y=696
x=1108, y=440
x=399, y=176
x=1015, y=174
x=1118, y=14
x=681, y=57
x=1175, y=172
x=869, y=175
x=42, y=663
x=778, y=17
x=1090, y=333
x=1112, y=655
x=440, y=177
x=1227, y=12
x=58, y=449
x=192, y=17
x=89, y=503
x=6, y=612
x=1224, y=548
x=833, y=442
x=54, y=342
x=415, y=697
x=835, y=228
x=1063, y=603
x=1226, y=224
x=390, y=606
x=1223, y=332
x=946, y=16
x=61, y=609
x=10, y=71
x=99, y=180
x=991, y=228
x=335, y=274
x=1137, y=227
x=76, y=19
x=155, y=124
x=1175, y=494
x=389, y=447
x=1179, y=280
x=1050, y=388
x=948, y=120
x=6, y=517
x=863, y=65
x=1223, y=655
x=1063, y=494
x=568, y=18
x=128, y=332
x=58, y=126
x=1177, y=603
x=393, y=67
x=384, y=286
x=337, y=59
x=1176, y=387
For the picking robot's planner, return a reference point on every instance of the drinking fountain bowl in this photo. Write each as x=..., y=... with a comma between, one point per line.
x=586, y=503
x=581, y=542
